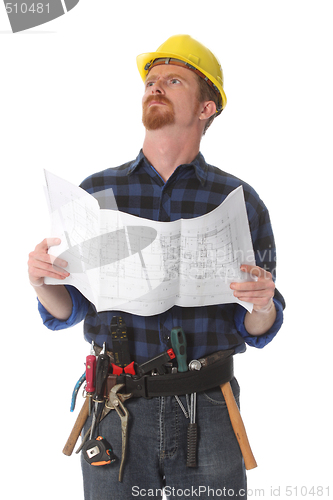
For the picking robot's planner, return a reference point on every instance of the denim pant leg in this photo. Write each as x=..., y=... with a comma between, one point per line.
x=220, y=472
x=156, y=454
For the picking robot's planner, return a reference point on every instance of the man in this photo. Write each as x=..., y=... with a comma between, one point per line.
x=170, y=180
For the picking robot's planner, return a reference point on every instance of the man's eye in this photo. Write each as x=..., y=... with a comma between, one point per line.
x=149, y=84
x=175, y=80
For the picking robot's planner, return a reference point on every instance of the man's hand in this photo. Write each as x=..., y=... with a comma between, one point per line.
x=56, y=299
x=41, y=264
x=260, y=293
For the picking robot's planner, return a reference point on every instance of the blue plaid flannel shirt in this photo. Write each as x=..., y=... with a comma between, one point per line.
x=192, y=190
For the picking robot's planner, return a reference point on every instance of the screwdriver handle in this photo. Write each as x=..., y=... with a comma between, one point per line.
x=192, y=439
x=102, y=370
x=178, y=342
x=90, y=373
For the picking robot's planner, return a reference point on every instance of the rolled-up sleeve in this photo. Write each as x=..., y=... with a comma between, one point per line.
x=79, y=311
x=259, y=341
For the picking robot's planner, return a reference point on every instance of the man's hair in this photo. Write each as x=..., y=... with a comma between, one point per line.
x=206, y=93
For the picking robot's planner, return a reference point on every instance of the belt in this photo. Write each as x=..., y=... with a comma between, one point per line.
x=215, y=371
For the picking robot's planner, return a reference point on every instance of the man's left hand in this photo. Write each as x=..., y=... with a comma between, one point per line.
x=260, y=292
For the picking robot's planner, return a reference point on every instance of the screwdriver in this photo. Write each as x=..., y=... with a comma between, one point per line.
x=192, y=429
x=90, y=375
x=102, y=369
x=178, y=342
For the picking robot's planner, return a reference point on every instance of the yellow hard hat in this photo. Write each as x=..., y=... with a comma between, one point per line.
x=184, y=50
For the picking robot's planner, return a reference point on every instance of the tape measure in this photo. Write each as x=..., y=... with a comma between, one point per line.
x=98, y=452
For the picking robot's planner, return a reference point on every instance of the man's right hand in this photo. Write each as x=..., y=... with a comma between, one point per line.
x=42, y=265
x=56, y=299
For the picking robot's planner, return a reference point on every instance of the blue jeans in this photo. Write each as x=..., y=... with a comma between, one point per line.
x=156, y=452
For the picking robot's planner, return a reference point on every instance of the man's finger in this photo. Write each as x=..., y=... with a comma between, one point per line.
x=252, y=296
x=259, y=288
x=48, y=242
x=58, y=263
x=248, y=286
x=37, y=257
x=41, y=268
x=255, y=271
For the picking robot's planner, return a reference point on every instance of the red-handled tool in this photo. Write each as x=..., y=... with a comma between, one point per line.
x=118, y=370
x=90, y=375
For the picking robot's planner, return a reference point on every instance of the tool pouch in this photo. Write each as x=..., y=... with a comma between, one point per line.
x=212, y=375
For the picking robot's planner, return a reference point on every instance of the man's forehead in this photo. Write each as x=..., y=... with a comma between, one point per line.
x=170, y=71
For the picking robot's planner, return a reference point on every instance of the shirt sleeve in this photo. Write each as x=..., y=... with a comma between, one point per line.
x=265, y=257
x=258, y=341
x=79, y=311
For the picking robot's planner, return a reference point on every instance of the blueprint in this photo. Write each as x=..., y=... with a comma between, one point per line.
x=126, y=263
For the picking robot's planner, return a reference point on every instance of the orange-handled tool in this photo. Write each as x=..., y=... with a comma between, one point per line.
x=238, y=426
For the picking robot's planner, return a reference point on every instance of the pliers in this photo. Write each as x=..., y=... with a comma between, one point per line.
x=115, y=402
x=111, y=404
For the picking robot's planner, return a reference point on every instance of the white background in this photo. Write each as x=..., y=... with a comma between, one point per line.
x=70, y=102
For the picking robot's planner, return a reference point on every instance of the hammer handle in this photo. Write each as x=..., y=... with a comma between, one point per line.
x=76, y=431
x=238, y=426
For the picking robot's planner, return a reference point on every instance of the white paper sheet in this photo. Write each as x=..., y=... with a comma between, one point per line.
x=127, y=263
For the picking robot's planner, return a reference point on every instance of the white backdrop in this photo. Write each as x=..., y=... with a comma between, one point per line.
x=70, y=102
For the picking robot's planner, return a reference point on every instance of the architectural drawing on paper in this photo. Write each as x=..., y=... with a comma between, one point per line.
x=132, y=264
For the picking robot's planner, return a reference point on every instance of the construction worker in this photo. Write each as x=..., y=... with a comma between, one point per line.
x=169, y=180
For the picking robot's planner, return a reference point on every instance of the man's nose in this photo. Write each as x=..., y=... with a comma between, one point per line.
x=157, y=88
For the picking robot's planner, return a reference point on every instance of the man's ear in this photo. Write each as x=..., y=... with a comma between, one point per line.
x=208, y=109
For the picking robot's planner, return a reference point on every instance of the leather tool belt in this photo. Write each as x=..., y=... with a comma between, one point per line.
x=216, y=369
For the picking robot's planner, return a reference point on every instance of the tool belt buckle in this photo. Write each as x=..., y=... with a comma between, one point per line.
x=136, y=385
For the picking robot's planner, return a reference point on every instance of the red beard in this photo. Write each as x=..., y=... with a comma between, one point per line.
x=155, y=117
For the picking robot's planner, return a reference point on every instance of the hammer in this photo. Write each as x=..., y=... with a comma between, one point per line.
x=238, y=426
x=74, y=436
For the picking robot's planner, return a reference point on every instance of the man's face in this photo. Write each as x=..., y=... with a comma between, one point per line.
x=171, y=97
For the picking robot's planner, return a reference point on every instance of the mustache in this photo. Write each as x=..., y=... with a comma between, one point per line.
x=157, y=98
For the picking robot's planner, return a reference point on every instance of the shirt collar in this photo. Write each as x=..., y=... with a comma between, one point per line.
x=199, y=164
